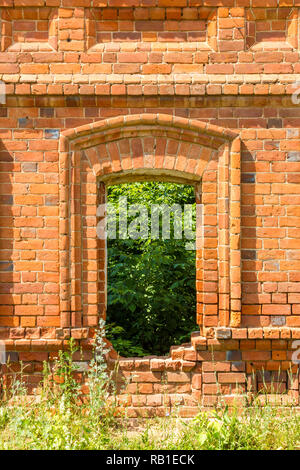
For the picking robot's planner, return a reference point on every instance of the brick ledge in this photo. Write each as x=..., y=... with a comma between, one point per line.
x=18, y=339
x=137, y=85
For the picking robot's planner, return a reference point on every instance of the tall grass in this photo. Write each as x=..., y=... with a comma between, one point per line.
x=47, y=426
x=58, y=418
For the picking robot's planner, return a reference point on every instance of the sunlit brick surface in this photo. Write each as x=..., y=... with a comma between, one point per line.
x=182, y=90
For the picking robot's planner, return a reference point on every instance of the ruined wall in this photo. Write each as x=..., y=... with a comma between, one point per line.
x=211, y=85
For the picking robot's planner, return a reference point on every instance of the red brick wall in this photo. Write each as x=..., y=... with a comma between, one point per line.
x=224, y=71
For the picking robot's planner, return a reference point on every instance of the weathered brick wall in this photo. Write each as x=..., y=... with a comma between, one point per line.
x=92, y=89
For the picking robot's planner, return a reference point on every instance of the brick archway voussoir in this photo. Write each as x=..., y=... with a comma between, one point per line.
x=148, y=156
x=102, y=142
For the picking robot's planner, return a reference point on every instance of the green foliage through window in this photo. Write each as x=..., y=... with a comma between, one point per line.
x=151, y=282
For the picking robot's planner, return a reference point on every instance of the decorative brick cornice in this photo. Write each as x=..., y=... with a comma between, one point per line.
x=149, y=3
x=142, y=62
x=131, y=85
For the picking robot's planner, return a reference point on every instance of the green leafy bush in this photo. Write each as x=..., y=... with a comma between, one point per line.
x=151, y=282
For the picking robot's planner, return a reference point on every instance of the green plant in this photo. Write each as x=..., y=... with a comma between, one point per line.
x=56, y=419
x=65, y=370
x=101, y=385
x=126, y=347
x=45, y=424
x=151, y=282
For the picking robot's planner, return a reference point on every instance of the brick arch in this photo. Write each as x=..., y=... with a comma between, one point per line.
x=149, y=156
x=103, y=142
x=139, y=147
